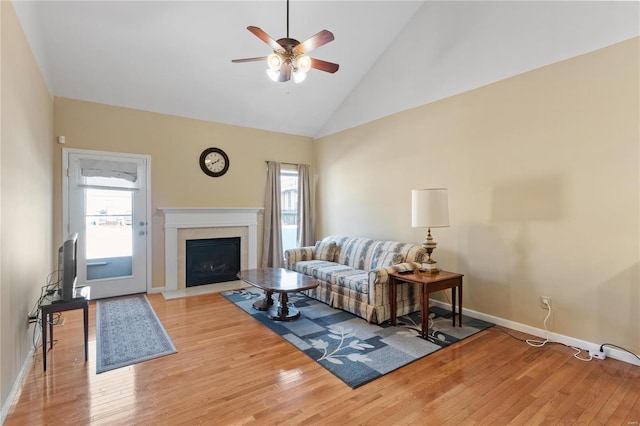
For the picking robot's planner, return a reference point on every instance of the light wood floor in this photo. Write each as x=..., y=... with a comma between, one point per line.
x=230, y=369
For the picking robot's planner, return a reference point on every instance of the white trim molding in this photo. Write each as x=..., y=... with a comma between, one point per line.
x=181, y=218
x=553, y=337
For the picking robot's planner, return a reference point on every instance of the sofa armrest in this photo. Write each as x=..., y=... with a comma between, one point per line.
x=378, y=279
x=298, y=254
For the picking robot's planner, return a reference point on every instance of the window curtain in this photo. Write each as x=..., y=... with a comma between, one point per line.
x=272, y=254
x=305, y=226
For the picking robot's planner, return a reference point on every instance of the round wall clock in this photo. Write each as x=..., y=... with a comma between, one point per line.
x=214, y=162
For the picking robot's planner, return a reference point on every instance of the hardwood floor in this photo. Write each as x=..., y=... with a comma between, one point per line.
x=230, y=369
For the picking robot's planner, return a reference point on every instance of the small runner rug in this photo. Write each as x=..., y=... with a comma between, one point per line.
x=354, y=350
x=128, y=331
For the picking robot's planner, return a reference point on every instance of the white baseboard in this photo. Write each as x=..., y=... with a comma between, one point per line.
x=155, y=290
x=16, y=384
x=553, y=337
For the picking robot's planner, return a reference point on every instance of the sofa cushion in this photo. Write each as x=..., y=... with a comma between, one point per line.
x=322, y=270
x=410, y=252
x=355, y=279
x=358, y=252
x=385, y=259
x=325, y=250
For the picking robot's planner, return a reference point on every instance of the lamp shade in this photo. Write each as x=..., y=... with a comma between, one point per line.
x=429, y=208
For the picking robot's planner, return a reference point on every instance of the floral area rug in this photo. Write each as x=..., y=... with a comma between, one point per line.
x=128, y=331
x=354, y=350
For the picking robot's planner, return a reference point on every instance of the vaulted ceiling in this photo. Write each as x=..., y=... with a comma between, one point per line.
x=174, y=57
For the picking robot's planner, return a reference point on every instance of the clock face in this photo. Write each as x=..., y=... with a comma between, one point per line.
x=214, y=162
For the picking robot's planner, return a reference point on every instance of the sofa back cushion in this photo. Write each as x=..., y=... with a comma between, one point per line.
x=410, y=252
x=341, y=242
x=385, y=259
x=357, y=253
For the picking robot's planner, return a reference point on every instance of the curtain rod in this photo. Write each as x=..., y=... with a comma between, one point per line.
x=288, y=164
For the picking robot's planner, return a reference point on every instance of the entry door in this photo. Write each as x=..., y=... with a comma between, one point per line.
x=107, y=207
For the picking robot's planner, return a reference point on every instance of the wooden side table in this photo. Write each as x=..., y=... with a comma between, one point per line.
x=429, y=283
x=82, y=295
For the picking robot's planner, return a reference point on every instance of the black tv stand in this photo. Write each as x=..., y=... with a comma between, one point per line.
x=81, y=298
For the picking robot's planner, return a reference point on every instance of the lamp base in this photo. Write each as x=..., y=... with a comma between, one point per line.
x=430, y=267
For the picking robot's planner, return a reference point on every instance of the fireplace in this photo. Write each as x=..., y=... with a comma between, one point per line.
x=182, y=224
x=212, y=260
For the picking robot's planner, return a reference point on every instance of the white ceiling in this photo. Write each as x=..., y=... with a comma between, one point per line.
x=174, y=57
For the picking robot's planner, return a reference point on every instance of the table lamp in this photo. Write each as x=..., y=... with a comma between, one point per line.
x=429, y=209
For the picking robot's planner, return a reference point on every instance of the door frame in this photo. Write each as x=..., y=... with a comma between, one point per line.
x=65, y=198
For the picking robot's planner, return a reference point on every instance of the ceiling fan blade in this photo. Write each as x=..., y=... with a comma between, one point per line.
x=266, y=38
x=285, y=73
x=260, y=58
x=313, y=42
x=321, y=65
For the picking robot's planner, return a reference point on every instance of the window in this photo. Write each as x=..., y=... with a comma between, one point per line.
x=289, y=207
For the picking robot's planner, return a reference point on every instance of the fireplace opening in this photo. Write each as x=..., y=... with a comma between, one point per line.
x=212, y=260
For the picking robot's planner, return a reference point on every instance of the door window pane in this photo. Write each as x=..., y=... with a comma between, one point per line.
x=109, y=231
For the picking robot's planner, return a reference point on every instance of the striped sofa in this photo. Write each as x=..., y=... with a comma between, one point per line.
x=353, y=274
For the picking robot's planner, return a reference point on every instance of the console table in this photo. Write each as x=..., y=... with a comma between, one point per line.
x=81, y=298
x=429, y=283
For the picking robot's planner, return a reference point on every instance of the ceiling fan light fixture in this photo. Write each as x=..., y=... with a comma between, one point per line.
x=299, y=76
x=274, y=75
x=303, y=63
x=274, y=61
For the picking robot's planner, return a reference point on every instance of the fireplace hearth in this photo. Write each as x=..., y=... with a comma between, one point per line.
x=212, y=260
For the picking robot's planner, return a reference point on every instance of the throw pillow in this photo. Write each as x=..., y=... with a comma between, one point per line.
x=325, y=250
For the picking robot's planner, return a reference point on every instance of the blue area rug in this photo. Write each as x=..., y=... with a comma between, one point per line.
x=348, y=346
x=128, y=331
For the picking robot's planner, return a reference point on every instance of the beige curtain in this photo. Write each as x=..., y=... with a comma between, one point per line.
x=305, y=225
x=272, y=254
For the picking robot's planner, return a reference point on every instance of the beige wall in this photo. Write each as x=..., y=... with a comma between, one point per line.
x=174, y=145
x=543, y=178
x=26, y=172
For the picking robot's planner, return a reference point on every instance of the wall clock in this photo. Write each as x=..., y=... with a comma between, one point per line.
x=214, y=162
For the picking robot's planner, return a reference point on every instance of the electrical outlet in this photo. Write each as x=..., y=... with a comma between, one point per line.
x=545, y=302
x=598, y=354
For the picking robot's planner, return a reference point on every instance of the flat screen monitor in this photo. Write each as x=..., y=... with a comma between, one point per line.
x=68, y=268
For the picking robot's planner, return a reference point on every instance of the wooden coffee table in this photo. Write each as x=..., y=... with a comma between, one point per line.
x=277, y=280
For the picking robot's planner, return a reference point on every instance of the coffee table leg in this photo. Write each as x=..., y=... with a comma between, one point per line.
x=284, y=309
x=283, y=312
x=264, y=304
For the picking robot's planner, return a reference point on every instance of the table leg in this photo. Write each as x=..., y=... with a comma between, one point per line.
x=284, y=309
x=44, y=339
x=283, y=312
x=424, y=310
x=453, y=305
x=460, y=303
x=393, y=289
x=50, y=322
x=264, y=304
x=86, y=331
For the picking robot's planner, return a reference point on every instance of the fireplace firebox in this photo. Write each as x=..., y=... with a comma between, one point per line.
x=212, y=260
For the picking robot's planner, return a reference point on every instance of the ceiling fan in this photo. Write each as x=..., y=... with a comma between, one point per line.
x=289, y=56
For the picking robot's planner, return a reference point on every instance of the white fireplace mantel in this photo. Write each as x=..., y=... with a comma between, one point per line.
x=180, y=218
